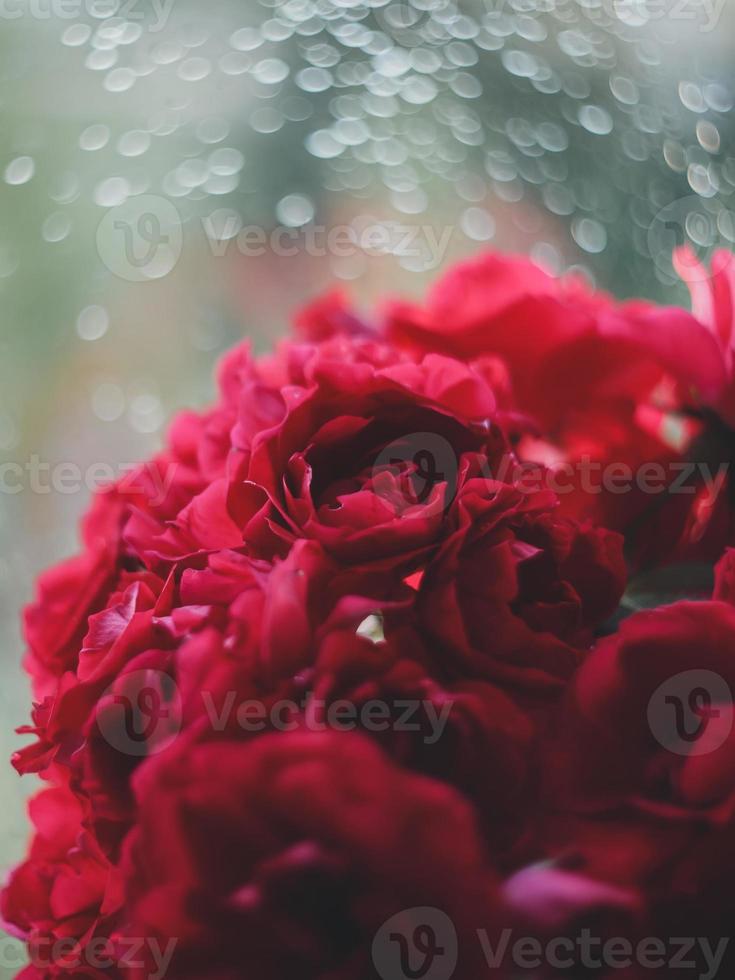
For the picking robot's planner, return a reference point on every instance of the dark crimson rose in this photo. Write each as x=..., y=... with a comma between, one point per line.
x=515, y=591
x=367, y=655
x=285, y=857
x=666, y=655
x=347, y=542
x=596, y=385
x=468, y=733
x=642, y=773
x=64, y=890
x=364, y=459
x=348, y=443
x=553, y=332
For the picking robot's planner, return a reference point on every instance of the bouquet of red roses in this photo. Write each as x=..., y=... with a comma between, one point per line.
x=413, y=657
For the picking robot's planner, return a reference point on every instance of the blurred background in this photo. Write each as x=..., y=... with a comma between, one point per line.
x=175, y=176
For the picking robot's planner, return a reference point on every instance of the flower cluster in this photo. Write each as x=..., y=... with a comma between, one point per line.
x=368, y=654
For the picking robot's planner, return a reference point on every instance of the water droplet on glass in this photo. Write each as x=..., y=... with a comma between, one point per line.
x=100, y=60
x=192, y=173
x=108, y=401
x=701, y=228
x=271, y=71
x=624, y=89
x=194, y=69
x=94, y=137
x=93, y=322
x=595, y=119
x=691, y=97
x=234, y=63
x=76, y=35
x=477, y=224
x=718, y=98
x=102, y=9
x=111, y=192
x=419, y=90
x=129, y=33
x=520, y=63
x=701, y=180
x=167, y=52
x=266, y=120
x=223, y=224
x=221, y=184
x=64, y=188
x=296, y=109
x=145, y=413
x=56, y=227
x=120, y=80
x=246, y=39
x=20, y=170
x=226, y=161
x=589, y=234
x=726, y=225
x=708, y=136
x=212, y=130
x=314, y=80
x=295, y=210
x=134, y=143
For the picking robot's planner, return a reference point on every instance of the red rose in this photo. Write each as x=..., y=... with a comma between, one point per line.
x=318, y=841
x=327, y=316
x=515, y=592
x=713, y=304
x=64, y=889
x=594, y=384
x=325, y=448
x=304, y=661
x=614, y=714
x=555, y=331
x=347, y=529
x=364, y=458
x=643, y=771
